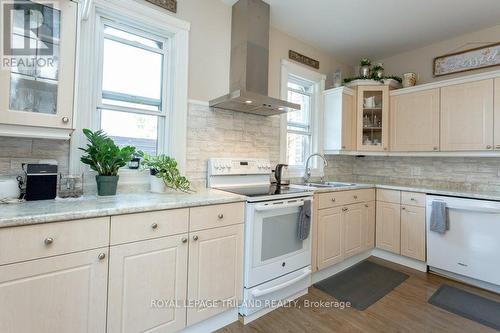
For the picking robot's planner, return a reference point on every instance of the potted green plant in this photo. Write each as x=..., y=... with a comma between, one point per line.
x=164, y=174
x=364, y=69
x=105, y=157
x=378, y=71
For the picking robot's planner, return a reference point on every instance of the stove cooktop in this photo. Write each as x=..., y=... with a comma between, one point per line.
x=268, y=192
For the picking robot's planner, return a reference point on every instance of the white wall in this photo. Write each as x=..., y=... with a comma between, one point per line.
x=420, y=60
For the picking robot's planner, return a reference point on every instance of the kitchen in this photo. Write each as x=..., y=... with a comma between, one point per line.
x=384, y=208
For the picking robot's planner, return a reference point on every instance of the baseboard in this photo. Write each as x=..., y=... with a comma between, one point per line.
x=465, y=279
x=248, y=319
x=332, y=270
x=214, y=323
x=400, y=260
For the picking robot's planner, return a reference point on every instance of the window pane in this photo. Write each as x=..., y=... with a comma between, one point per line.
x=133, y=37
x=133, y=129
x=132, y=70
x=132, y=105
x=298, y=148
x=306, y=88
x=301, y=116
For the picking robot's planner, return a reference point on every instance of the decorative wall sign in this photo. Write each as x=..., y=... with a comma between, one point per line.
x=170, y=5
x=303, y=59
x=479, y=57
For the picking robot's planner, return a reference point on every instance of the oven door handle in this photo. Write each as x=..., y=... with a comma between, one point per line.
x=258, y=292
x=262, y=208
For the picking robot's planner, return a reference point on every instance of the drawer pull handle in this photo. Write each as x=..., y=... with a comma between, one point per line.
x=497, y=146
x=345, y=209
x=154, y=225
x=413, y=199
x=333, y=199
x=355, y=197
x=101, y=256
x=184, y=239
x=367, y=206
x=220, y=216
x=403, y=208
x=195, y=238
x=435, y=148
x=48, y=240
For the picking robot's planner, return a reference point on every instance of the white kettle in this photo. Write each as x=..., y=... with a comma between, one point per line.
x=9, y=189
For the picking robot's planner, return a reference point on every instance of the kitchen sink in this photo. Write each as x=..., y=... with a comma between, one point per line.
x=329, y=184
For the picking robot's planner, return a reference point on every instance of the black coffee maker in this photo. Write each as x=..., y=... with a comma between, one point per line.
x=41, y=181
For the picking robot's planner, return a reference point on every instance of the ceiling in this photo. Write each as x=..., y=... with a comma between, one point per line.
x=351, y=29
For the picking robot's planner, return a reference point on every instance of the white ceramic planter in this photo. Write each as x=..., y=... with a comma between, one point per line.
x=158, y=186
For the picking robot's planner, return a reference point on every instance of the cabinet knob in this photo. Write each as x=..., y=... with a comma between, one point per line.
x=355, y=197
x=195, y=238
x=413, y=199
x=403, y=208
x=220, y=216
x=366, y=205
x=101, y=256
x=333, y=199
x=48, y=240
x=65, y=120
x=343, y=147
x=489, y=147
x=184, y=239
x=385, y=148
x=435, y=148
x=154, y=225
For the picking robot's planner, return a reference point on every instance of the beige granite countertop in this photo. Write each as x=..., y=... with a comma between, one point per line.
x=409, y=188
x=44, y=211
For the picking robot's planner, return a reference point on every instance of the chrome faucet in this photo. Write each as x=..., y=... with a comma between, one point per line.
x=307, y=174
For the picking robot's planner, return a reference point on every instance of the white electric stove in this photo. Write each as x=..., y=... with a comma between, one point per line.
x=277, y=263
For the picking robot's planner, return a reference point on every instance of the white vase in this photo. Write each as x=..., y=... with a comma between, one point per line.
x=157, y=185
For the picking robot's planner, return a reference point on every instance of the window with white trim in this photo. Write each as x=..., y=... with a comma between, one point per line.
x=299, y=123
x=132, y=94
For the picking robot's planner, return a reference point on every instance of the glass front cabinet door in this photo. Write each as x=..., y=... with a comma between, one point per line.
x=38, y=71
x=373, y=118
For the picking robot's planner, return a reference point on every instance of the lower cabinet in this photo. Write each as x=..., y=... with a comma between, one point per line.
x=215, y=271
x=389, y=226
x=148, y=285
x=344, y=232
x=413, y=232
x=330, y=240
x=65, y=293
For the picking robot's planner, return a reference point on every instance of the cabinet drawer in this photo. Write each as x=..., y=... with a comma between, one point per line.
x=391, y=196
x=141, y=226
x=216, y=216
x=340, y=198
x=44, y=240
x=413, y=199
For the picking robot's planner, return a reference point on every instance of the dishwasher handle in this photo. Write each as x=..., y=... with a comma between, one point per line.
x=472, y=208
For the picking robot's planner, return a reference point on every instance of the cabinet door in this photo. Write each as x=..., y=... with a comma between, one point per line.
x=330, y=237
x=143, y=276
x=415, y=121
x=353, y=216
x=467, y=116
x=496, y=130
x=348, y=122
x=215, y=270
x=388, y=227
x=369, y=225
x=413, y=232
x=340, y=119
x=373, y=118
x=43, y=96
x=65, y=293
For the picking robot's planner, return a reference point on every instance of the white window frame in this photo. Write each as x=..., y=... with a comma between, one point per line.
x=318, y=82
x=143, y=17
x=163, y=114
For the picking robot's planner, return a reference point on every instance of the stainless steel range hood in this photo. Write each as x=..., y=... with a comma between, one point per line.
x=250, y=63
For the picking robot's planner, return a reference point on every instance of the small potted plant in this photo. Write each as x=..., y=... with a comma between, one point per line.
x=378, y=71
x=364, y=69
x=164, y=174
x=105, y=157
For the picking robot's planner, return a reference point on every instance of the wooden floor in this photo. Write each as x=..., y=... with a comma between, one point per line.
x=405, y=309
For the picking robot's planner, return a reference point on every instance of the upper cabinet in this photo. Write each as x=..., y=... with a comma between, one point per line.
x=467, y=116
x=372, y=118
x=340, y=119
x=496, y=116
x=414, y=119
x=39, y=90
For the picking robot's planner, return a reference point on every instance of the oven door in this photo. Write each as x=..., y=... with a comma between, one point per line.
x=272, y=248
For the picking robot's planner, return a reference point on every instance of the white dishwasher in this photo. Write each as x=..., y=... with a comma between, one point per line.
x=471, y=247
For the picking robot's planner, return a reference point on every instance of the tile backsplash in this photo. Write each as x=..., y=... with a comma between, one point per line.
x=15, y=151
